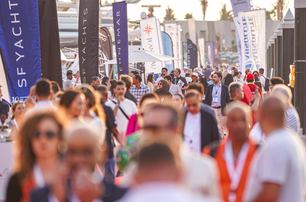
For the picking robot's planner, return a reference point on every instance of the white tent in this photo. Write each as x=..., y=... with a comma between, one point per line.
x=139, y=55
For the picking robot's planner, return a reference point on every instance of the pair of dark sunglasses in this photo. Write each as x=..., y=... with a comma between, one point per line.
x=47, y=134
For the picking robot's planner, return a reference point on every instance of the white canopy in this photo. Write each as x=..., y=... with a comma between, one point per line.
x=136, y=56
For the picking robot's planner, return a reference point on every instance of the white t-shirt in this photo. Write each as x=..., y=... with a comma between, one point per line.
x=41, y=106
x=282, y=161
x=162, y=192
x=68, y=84
x=128, y=107
x=257, y=134
x=192, y=132
x=199, y=173
x=262, y=80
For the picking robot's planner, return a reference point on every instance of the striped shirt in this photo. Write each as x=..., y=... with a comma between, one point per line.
x=292, y=119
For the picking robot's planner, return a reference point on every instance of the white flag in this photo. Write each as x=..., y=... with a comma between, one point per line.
x=151, y=41
x=252, y=34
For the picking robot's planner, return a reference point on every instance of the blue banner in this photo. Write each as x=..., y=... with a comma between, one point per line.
x=121, y=36
x=168, y=49
x=20, y=45
x=192, y=55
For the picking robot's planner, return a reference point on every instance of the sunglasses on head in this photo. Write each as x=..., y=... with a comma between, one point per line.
x=47, y=134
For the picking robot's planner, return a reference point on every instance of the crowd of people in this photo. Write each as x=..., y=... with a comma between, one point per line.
x=212, y=134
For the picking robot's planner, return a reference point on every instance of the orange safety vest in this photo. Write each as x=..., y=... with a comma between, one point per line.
x=225, y=181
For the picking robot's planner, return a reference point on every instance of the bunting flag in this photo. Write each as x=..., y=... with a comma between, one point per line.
x=105, y=49
x=88, y=39
x=49, y=41
x=121, y=36
x=20, y=46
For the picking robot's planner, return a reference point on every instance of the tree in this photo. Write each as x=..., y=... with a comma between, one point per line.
x=170, y=16
x=188, y=16
x=225, y=14
x=204, y=4
x=279, y=9
x=269, y=14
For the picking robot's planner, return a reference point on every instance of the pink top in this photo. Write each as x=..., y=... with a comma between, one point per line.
x=133, y=125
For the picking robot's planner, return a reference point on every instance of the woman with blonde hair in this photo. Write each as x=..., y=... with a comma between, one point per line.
x=39, y=142
x=93, y=111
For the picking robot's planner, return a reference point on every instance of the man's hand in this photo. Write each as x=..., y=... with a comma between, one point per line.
x=85, y=188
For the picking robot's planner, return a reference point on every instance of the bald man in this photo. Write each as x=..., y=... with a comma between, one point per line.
x=279, y=172
x=234, y=155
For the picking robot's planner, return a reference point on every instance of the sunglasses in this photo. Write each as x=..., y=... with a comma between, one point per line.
x=47, y=134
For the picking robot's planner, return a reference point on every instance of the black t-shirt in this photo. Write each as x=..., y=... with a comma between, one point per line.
x=110, y=124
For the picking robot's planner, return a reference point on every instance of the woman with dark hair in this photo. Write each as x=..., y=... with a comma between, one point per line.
x=105, y=81
x=39, y=142
x=72, y=102
x=150, y=82
x=163, y=89
x=18, y=110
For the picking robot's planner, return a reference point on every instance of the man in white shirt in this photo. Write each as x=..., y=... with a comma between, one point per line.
x=69, y=83
x=158, y=178
x=43, y=92
x=161, y=124
x=263, y=80
x=200, y=126
x=123, y=108
x=164, y=72
x=279, y=170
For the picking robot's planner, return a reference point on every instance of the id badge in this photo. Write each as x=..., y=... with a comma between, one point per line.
x=216, y=99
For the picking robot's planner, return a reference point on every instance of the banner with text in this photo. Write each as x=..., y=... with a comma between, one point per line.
x=252, y=29
x=192, y=55
x=20, y=46
x=152, y=41
x=88, y=39
x=174, y=31
x=168, y=49
x=239, y=6
x=121, y=36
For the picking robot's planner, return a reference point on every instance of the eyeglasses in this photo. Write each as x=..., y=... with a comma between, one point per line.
x=48, y=134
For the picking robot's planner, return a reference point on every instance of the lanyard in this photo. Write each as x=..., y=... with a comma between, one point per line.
x=217, y=88
x=235, y=172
